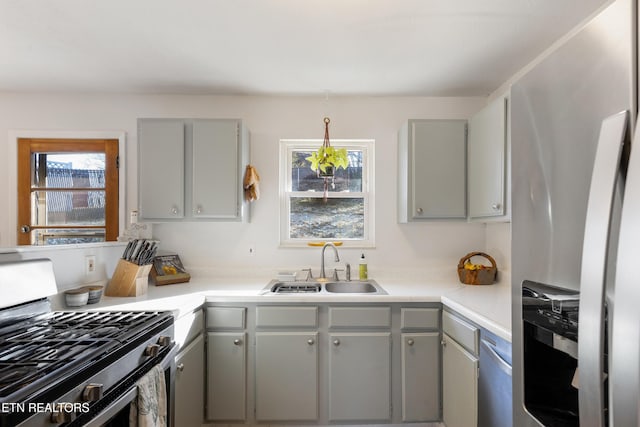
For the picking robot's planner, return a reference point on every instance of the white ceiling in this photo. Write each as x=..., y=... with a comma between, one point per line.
x=292, y=47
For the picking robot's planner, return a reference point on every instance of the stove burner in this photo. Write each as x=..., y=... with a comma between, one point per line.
x=36, y=352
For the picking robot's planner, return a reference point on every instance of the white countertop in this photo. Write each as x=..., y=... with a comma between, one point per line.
x=488, y=306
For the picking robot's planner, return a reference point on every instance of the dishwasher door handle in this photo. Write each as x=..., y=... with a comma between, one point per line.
x=493, y=354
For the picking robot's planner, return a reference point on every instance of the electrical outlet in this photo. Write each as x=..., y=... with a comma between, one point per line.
x=89, y=264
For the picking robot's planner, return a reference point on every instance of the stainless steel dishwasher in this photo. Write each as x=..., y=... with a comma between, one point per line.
x=494, y=383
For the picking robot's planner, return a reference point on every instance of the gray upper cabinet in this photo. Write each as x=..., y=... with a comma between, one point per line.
x=432, y=170
x=192, y=169
x=487, y=161
x=161, y=168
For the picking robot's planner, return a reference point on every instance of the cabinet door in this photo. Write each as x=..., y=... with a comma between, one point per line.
x=420, y=377
x=216, y=169
x=487, y=160
x=360, y=376
x=438, y=169
x=189, y=405
x=226, y=376
x=459, y=384
x=161, y=168
x=286, y=376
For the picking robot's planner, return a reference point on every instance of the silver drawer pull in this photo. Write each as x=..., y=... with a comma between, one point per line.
x=180, y=367
x=410, y=341
x=237, y=342
x=336, y=342
x=311, y=341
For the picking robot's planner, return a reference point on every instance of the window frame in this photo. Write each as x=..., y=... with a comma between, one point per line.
x=287, y=146
x=27, y=147
x=15, y=135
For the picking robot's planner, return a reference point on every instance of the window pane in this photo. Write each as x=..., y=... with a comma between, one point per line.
x=73, y=170
x=68, y=207
x=334, y=219
x=67, y=236
x=304, y=179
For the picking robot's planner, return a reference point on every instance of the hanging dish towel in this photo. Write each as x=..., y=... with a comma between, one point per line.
x=251, y=184
x=150, y=408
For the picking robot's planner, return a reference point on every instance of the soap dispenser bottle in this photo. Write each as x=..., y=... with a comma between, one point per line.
x=362, y=268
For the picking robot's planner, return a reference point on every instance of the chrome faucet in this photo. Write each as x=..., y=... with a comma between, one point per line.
x=337, y=259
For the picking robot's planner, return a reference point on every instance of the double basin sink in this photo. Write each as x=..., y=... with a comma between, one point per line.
x=368, y=287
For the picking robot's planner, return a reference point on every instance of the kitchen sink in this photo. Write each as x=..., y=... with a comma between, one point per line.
x=369, y=287
x=350, y=287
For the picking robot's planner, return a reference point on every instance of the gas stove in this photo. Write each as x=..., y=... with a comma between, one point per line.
x=75, y=368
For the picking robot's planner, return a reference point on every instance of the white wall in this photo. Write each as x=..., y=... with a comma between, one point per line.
x=225, y=245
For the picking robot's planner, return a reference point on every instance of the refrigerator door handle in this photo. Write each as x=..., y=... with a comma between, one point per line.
x=625, y=352
x=593, y=273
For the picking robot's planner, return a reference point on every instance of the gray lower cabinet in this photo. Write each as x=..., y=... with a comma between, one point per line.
x=460, y=348
x=323, y=363
x=226, y=376
x=189, y=384
x=420, y=376
x=360, y=376
x=286, y=382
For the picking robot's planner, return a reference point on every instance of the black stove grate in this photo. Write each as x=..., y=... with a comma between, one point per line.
x=45, y=349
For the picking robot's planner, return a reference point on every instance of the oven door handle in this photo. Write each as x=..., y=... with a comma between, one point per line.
x=168, y=362
x=114, y=408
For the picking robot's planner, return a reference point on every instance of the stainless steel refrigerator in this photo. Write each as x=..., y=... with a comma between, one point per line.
x=576, y=230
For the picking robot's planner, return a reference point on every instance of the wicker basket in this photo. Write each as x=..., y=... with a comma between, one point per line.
x=483, y=276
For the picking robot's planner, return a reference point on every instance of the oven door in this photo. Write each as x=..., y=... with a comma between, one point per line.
x=118, y=410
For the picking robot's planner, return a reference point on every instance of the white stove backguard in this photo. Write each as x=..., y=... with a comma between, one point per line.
x=24, y=281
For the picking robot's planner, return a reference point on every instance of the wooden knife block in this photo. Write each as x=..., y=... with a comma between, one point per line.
x=129, y=280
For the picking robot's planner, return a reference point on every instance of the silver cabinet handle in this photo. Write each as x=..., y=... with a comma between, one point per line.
x=237, y=342
x=199, y=209
x=495, y=206
x=174, y=210
x=443, y=343
x=419, y=210
x=410, y=341
x=311, y=341
x=336, y=342
x=25, y=228
x=180, y=367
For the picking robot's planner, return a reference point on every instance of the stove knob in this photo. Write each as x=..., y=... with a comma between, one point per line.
x=92, y=393
x=152, y=350
x=164, y=341
x=60, y=416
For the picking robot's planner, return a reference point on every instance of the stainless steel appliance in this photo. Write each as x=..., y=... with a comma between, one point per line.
x=73, y=368
x=572, y=118
x=494, y=381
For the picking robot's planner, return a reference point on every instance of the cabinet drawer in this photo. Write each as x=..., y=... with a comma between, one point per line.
x=419, y=318
x=367, y=317
x=460, y=330
x=188, y=327
x=275, y=317
x=226, y=317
